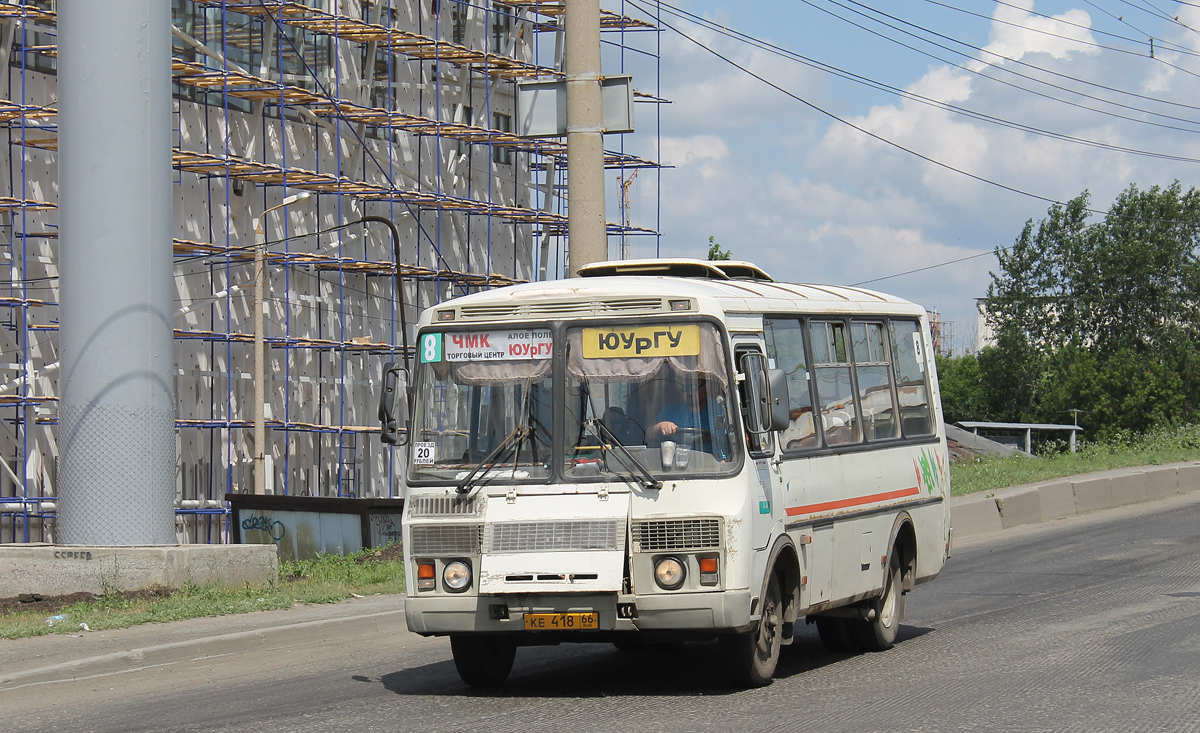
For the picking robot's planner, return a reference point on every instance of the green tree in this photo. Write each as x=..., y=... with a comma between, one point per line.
x=964, y=393
x=715, y=252
x=1101, y=316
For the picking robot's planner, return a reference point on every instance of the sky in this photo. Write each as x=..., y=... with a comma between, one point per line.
x=821, y=179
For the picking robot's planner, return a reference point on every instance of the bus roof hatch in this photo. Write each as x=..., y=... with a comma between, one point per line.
x=678, y=267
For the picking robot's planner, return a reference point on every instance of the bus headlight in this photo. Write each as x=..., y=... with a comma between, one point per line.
x=456, y=576
x=669, y=573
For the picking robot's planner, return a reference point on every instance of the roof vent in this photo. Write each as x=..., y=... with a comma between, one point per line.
x=742, y=270
x=678, y=267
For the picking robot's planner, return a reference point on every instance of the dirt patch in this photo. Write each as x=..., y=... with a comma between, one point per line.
x=391, y=553
x=51, y=605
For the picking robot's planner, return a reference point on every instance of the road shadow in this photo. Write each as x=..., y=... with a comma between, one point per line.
x=600, y=670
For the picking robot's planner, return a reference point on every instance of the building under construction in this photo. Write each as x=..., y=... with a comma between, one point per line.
x=399, y=112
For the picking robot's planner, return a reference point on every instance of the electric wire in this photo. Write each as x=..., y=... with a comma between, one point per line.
x=983, y=117
x=1018, y=62
x=1162, y=42
x=849, y=124
x=785, y=53
x=1158, y=14
x=887, y=142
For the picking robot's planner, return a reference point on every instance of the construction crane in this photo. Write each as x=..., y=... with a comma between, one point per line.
x=625, y=183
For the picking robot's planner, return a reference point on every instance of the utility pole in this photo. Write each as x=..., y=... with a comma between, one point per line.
x=586, y=231
x=116, y=476
x=260, y=376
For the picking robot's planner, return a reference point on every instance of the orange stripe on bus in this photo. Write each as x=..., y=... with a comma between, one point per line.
x=856, y=501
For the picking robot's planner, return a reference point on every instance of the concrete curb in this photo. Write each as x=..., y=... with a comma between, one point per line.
x=214, y=646
x=992, y=511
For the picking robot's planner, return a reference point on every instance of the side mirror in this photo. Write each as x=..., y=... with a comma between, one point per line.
x=778, y=396
x=758, y=393
x=393, y=404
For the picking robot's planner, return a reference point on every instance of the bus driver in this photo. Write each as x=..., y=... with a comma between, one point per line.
x=695, y=410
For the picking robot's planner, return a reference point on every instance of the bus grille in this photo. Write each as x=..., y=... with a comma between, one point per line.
x=677, y=534
x=582, y=534
x=432, y=506
x=446, y=539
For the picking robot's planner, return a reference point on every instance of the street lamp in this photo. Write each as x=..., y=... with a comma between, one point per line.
x=260, y=413
x=387, y=434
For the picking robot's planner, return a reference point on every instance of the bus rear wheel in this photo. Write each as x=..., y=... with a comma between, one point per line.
x=483, y=660
x=879, y=634
x=752, y=657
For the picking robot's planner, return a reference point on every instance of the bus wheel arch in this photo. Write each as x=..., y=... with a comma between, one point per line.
x=902, y=549
x=752, y=657
x=878, y=632
x=785, y=563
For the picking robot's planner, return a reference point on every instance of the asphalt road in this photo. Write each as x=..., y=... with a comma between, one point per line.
x=1087, y=624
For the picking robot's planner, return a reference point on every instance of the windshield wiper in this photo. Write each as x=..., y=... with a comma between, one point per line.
x=513, y=439
x=606, y=434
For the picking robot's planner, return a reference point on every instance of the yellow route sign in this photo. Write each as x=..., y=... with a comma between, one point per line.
x=619, y=342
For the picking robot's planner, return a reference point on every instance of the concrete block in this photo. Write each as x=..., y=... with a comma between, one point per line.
x=1058, y=500
x=1161, y=482
x=1021, y=507
x=972, y=515
x=1129, y=488
x=59, y=570
x=1189, y=478
x=1092, y=494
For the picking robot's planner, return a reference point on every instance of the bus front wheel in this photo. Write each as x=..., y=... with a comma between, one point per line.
x=752, y=657
x=483, y=660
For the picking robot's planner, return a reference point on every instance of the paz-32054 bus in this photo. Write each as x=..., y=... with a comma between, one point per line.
x=665, y=451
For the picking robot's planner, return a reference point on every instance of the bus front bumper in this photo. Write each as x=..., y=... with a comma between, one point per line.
x=721, y=611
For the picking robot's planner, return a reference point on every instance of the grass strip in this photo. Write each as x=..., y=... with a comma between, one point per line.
x=1168, y=445
x=326, y=579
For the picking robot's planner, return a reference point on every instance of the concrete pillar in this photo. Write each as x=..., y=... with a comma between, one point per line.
x=587, y=234
x=117, y=410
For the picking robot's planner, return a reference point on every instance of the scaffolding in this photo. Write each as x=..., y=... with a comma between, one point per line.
x=394, y=109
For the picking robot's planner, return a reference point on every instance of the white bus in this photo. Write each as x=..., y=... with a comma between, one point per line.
x=664, y=451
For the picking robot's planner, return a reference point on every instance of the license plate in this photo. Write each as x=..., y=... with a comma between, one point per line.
x=562, y=621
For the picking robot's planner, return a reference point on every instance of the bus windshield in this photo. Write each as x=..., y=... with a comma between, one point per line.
x=639, y=399
x=660, y=390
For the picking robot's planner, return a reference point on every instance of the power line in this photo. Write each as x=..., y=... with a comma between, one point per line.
x=750, y=40
x=930, y=267
x=1018, y=62
x=983, y=117
x=1162, y=42
x=847, y=123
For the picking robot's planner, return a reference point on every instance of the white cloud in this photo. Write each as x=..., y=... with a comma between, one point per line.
x=1017, y=32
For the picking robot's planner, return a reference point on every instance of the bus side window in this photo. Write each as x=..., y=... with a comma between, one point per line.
x=874, y=381
x=835, y=390
x=908, y=359
x=785, y=347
